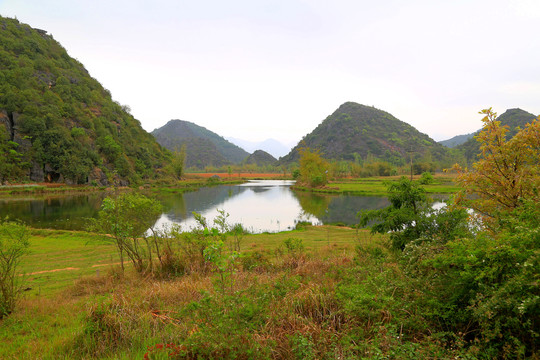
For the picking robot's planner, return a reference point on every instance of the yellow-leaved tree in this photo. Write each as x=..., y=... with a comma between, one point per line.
x=507, y=172
x=313, y=168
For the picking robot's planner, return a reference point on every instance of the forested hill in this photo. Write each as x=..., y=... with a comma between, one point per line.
x=260, y=158
x=513, y=118
x=457, y=140
x=353, y=131
x=203, y=147
x=57, y=123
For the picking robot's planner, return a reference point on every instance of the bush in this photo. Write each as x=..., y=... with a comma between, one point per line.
x=426, y=178
x=127, y=219
x=13, y=246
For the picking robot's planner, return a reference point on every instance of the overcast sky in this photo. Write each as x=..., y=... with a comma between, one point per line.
x=258, y=69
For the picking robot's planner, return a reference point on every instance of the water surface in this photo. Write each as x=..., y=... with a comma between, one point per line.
x=265, y=205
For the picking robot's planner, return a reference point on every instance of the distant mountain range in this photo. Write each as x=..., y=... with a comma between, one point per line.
x=271, y=146
x=457, y=140
x=203, y=147
x=58, y=124
x=354, y=131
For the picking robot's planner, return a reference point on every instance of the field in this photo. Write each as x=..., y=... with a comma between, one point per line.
x=377, y=186
x=286, y=298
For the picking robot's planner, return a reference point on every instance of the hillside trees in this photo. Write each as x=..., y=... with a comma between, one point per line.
x=65, y=123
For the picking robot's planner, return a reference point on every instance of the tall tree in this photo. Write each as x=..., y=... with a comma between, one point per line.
x=313, y=168
x=178, y=161
x=507, y=172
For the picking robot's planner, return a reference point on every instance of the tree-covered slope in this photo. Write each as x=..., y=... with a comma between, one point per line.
x=355, y=130
x=456, y=140
x=203, y=147
x=260, y=158
x=57, y=123
x=513, y=118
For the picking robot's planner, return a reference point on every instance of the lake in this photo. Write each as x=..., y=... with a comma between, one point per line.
x=265, y=205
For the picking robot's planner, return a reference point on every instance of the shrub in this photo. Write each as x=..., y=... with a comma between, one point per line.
x=127, y=219
x=426, y=178
x=13, y=246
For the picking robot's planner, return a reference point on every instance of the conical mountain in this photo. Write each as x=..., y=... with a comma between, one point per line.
x=353, y=131
x=203, y=147
x=260, y=158
x=513, y=118
x=57, y=123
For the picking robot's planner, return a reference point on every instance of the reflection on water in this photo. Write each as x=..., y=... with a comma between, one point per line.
x=69, y=212
x=266, y=205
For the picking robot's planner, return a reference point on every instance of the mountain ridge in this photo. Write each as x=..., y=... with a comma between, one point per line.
x=272, y=146
x=354, y=131
x=203, y=147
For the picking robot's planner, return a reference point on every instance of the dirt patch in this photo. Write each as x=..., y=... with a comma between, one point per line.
x=54, y=270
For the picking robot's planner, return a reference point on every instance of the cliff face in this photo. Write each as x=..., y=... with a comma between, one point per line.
x=59, y=124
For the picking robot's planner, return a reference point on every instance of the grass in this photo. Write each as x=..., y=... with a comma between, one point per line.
x=376, y=186
x=336, y=294
x=58, y=258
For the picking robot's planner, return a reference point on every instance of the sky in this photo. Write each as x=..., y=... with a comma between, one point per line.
x=259, y=69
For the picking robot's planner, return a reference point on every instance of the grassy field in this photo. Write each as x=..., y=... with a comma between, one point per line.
x=58, y=258
x=337, y=293
x=377, y=186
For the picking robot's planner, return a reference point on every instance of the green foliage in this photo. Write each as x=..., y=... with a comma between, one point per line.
x=178, y=162
x=410, y=217
x=513, y=119
x=13, y=164
x=63, y=120
x=203, y=147
x=313, y=169
x=355, y=130
x=13, y=246
x=426, y=178
x=127, y=218
x=260, y=158
x=484, y=286
x=293, y=245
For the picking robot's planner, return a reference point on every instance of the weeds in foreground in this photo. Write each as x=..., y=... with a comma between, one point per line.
x=328, y=305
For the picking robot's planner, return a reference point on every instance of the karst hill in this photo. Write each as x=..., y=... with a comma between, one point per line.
x=59, y=124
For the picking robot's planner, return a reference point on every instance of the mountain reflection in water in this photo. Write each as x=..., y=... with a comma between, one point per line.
x=265, y=205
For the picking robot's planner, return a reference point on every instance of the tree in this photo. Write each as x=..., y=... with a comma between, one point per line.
x=313, y=168
x=13, y=246
x=127, y=218
x=410, y=217
x=178, y=162
x=506, y=173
